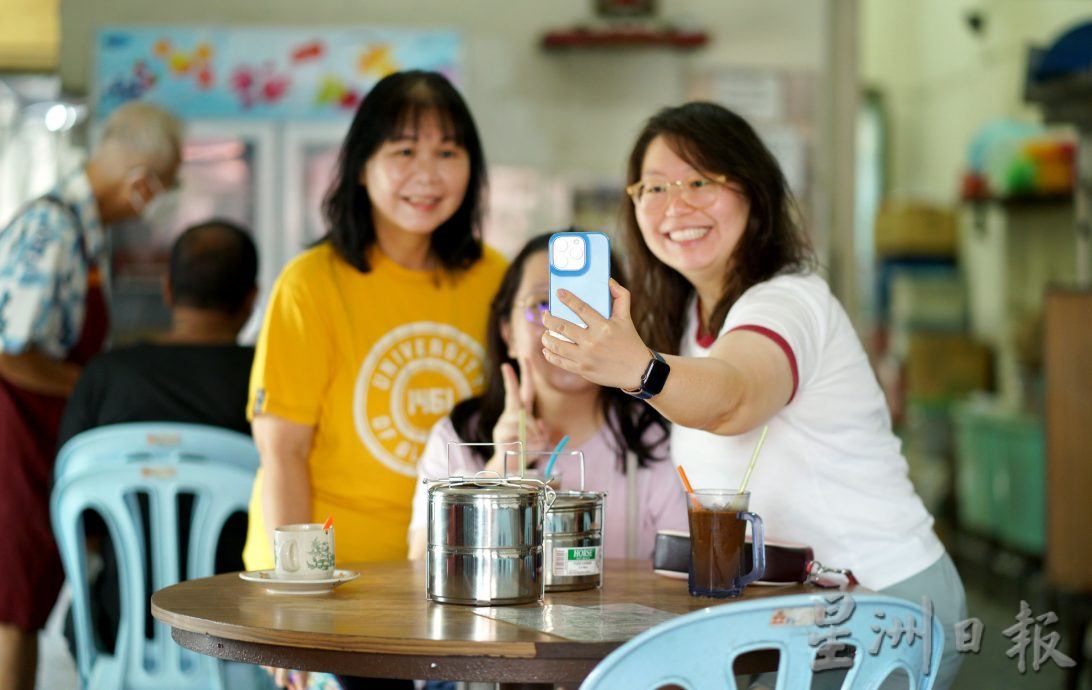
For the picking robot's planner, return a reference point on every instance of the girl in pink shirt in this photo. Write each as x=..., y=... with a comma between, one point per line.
x=604, y=423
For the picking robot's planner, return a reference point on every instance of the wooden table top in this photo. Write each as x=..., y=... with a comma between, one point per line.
x=382, y=625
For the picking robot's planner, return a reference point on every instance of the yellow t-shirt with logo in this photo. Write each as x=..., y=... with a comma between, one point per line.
x=371, y=361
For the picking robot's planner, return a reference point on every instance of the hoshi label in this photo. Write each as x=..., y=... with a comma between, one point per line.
x=570, y=561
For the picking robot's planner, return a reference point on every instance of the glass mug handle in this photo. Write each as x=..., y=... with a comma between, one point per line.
x=758, y=549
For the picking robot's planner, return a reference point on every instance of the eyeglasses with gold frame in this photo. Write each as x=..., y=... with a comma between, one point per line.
x=698, y=191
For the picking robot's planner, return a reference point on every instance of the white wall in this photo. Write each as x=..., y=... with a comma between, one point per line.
x=942, y=82
x=559, y=112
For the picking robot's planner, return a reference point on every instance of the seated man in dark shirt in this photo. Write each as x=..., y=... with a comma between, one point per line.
x=193, y=373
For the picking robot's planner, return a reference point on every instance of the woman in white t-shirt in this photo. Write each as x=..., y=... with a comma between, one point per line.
x=731, y=330
x=602, y=422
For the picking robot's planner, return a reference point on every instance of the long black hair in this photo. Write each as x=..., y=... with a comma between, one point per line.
x=715, y=141
x=397, y=100
x=474, y=418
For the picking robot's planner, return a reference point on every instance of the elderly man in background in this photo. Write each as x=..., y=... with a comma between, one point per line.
x=53, y=318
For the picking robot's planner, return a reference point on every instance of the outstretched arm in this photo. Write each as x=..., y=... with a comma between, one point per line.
x=744, y=381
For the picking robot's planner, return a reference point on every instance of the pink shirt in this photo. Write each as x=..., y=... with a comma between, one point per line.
x=661, y=502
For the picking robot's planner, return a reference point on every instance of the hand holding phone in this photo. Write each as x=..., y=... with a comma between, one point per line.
x=579, y=263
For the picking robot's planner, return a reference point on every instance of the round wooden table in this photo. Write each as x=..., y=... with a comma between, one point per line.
x=380, y=625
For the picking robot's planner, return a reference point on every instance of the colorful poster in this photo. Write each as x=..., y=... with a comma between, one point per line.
x=223, y=72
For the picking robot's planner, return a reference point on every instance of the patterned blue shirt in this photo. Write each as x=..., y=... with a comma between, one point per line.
x=43, y=275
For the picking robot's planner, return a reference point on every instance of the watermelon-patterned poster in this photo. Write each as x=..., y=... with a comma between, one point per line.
x=224, y=72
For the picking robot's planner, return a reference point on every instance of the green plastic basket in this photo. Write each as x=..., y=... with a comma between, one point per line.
x=1001, y=477
x=1021, y=522
x=975, y=460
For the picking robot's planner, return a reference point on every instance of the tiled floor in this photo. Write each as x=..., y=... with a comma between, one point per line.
x=56, y=668
x=991, y=669
x=996, y=583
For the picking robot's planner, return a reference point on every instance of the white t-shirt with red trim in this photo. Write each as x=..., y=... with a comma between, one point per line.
x=831, y=473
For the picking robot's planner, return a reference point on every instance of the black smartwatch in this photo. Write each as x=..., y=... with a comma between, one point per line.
x=653, y=380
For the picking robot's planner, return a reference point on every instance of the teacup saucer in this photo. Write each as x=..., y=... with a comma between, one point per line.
x=279, y=585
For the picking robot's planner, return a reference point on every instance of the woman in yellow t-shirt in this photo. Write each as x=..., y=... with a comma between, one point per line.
x=374, y=334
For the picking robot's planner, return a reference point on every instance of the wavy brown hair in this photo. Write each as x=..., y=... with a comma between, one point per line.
x=715, y=141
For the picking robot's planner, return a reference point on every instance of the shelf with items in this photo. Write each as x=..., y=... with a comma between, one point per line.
x=626, y=24
x=1021, y=200
x=940, y=371
x=1012, y=253
x=617, y=34
x=930, y=359
x=920, y=296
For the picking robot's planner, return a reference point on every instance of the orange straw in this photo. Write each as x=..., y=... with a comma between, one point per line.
x=689, y=489
x=685, y=481
x=328, y=524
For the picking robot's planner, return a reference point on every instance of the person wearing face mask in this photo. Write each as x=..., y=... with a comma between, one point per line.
x=53, y=318
x=376, y=332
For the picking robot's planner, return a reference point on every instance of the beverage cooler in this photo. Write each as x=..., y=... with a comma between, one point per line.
x=269, y=177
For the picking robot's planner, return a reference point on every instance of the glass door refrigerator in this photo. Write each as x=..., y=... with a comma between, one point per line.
x=229, y=171
x=311, y=151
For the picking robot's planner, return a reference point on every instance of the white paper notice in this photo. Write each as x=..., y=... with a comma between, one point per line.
x=607, y=623
x=753, y=94
x=788, y=147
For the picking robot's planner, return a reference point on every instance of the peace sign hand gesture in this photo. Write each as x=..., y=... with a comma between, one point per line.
x=518, y=395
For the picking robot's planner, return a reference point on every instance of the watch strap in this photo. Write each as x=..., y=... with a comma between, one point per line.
x=640, y=392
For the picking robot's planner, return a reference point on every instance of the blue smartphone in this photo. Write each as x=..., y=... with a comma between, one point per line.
x=580, y=263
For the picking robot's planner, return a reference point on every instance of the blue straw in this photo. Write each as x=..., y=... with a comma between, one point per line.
x=553, y=458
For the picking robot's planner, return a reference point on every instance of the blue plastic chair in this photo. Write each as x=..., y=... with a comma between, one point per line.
x=104, y=470
x=697, y=651
x=136, y=440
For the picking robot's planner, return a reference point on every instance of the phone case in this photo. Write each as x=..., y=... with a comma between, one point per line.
x=584, y=272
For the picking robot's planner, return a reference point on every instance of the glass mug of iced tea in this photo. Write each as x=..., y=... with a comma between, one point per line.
x=718, y=523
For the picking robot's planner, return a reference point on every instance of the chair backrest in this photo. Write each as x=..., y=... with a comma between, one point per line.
x=106, y=470
x=123, y=443
x=698, y=651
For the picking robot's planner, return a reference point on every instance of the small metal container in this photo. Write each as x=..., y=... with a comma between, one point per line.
x=573, y=541
x=485, y=540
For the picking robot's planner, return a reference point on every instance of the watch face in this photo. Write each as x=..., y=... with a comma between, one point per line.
x=655, y=377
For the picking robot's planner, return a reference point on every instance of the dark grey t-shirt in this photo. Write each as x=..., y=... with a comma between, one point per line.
x=197, y=384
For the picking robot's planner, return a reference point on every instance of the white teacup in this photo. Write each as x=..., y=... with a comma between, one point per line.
x=303, y=552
